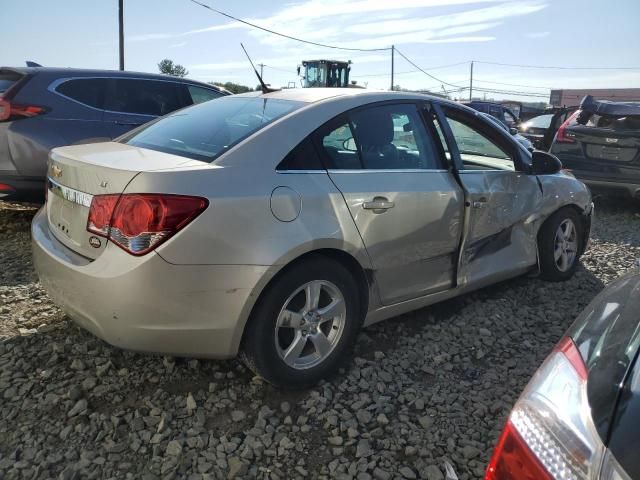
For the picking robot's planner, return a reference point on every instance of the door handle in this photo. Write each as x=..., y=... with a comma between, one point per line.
x=378, y=203
x=480, y=203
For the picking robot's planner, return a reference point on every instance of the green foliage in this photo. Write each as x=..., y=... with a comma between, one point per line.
x=232, y=87
x=167, y=67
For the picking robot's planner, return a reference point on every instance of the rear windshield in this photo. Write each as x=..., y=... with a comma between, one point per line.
x=8, y=78
x=612, y=122
x=205, y=131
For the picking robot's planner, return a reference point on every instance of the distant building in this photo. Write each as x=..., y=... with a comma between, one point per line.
x=572, y=97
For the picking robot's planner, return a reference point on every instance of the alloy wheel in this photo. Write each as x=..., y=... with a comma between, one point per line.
x=565, y=245
x=310, y=324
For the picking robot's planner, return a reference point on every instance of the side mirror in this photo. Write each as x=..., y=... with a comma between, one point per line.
x=543, y=163
x=513, y=130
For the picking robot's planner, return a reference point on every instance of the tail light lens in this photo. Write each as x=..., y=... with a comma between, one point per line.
x=140, y=222
x=562, y=136
x=550, y=433
x=16, y=111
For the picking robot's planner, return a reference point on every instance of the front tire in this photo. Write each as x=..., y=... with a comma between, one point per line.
x=304, y=324
x=559, y=245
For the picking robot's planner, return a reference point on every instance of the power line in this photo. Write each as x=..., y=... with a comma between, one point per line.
x=511, y=92
x=557, y=67
x=511, y=84
x=281, y=69
x=288, y=36
x=415, y=71
x=422, y=70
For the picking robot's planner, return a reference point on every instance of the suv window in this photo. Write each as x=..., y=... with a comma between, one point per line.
x=88, y=91
x=7, y=79
x=477, y=149
x=145, y=97
x=201, y=94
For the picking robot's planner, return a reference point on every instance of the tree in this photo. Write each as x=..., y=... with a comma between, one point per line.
x=167, y=67
x=232, y=87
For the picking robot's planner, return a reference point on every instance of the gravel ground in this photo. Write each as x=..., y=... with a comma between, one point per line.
x=425, y=396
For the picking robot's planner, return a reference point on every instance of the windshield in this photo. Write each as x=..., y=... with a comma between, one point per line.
x=543, y=121
x=205, y=131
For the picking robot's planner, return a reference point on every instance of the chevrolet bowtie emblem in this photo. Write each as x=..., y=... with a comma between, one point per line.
x=56, y=171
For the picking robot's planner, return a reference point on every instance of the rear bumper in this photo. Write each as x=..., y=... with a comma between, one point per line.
x=145, y=303
x=613, y=187
x=22, y=189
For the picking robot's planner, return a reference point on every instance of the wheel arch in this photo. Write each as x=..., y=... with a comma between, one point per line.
x=361, y=273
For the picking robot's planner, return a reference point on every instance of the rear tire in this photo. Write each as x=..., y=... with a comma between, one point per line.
x=304, y=324
x=560, y=245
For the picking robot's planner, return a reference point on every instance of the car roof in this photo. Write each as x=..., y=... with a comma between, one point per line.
x=313, y=95
x=86, y=72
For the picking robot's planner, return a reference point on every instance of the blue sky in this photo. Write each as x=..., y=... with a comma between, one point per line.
x=433, y=33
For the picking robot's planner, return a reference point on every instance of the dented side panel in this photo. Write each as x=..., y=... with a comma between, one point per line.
x=500, y=236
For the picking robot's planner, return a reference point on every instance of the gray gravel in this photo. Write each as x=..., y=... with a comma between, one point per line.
x=425, y=396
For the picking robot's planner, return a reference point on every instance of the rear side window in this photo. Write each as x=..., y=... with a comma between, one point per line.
x=7, y=79
x=303, y=157
x=144, y=97
x=88, y=91
x=200, y=94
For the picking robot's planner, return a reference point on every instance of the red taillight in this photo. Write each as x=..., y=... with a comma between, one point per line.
x=513, y=460
x=14, y=110
x=4, y=188
x=562, y=136
x=139, y=222
x=550, y=432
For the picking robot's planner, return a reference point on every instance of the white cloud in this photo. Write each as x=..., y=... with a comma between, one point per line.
x=178, y=45
x=537, y=34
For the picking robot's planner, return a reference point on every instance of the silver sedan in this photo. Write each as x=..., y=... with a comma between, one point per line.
x=277, y=225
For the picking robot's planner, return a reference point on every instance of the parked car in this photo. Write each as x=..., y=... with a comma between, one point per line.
x=496, y=110
x=600, y=144
x=512, y=130
x=540, y=130
x=579, y=417
x=42, y=108
x=276, y=224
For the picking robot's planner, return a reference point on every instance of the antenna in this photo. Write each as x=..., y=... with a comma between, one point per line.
x=263, y=85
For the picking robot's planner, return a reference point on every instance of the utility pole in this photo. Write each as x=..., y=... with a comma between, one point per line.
x=393, y=49
x=121, y=33
x=471, y=83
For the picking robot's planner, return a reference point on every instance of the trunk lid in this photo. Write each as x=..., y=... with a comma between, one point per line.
x=609, y=139
x=77, y=173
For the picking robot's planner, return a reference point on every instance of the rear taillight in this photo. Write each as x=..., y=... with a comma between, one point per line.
x=550, y=433
x=15, y=111
x=5, y=189
x=562, y=136
x=140, y=222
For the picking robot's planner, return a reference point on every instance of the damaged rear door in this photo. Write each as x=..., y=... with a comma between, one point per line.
x=501, y=199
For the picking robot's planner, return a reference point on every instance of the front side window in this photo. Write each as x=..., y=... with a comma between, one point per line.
x=478, y=150
x=200, y=94
x=206, y=131
x=88, y=91
x=143, y=97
